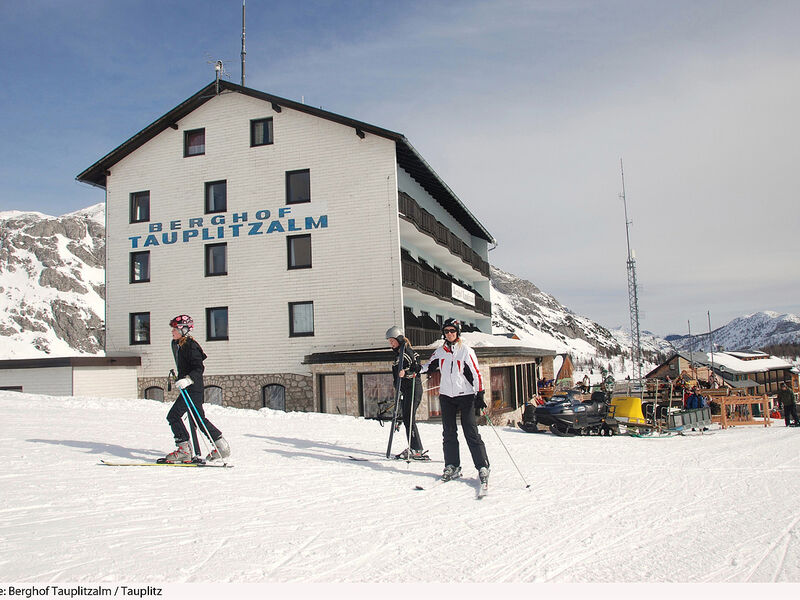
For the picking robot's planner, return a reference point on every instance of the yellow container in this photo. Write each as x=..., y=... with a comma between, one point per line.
x=626, y=409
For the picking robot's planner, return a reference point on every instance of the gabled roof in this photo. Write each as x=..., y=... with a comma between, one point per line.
x=407, y=157
x=730, y=362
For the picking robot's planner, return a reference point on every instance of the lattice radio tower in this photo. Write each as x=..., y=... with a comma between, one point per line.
x=633, y=295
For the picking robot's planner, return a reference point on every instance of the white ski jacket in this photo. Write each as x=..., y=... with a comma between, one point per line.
x=459, y=368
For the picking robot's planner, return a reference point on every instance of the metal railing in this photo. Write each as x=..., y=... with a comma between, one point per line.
x=427, y=223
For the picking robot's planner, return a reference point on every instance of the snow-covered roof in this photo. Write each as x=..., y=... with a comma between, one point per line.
x=735, y=363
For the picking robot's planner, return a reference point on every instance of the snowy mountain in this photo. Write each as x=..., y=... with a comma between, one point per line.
x=52, y=281
x=52, y=288
x=518, y=306
x=760, y=330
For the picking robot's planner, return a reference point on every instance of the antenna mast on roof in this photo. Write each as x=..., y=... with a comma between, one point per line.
x=244, y=52
x=633, y=295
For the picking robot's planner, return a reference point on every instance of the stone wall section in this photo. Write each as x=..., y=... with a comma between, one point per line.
x=244, y=391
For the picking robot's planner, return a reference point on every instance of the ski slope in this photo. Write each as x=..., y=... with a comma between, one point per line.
x=296, y=509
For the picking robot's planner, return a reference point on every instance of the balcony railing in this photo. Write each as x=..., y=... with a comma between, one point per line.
x=427, y=223
x=430, y=282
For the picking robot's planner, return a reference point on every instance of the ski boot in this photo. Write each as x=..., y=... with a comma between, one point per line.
x=451, y=472
x=420, y=455
x=224, y=450
x=414, y=455
x=483, y=475
x=181, y=454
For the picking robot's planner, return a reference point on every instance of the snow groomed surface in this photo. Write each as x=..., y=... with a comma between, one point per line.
x=296, y=508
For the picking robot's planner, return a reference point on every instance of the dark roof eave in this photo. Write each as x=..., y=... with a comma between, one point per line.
x=72, y=361
x=380, y=354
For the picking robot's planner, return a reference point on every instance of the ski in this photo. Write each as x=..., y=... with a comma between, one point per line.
x=435, y=484
x=393, y=458
x=158, y=464
x=483, y=490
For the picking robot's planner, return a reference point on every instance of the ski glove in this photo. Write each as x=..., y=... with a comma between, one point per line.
x=479, y=402
x=182, y=384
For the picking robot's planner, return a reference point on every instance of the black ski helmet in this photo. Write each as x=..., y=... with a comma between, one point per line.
x=183, y=323
x=455, y=324
x=396, y=333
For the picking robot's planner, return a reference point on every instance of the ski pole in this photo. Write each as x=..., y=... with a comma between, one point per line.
x=488, y=420
x=200, y=419
x=192, y=425
x=410, y=420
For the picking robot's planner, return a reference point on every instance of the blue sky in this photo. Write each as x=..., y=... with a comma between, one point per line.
x=523, y=108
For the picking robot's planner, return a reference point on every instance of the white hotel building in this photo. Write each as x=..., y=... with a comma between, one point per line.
x=295, y=238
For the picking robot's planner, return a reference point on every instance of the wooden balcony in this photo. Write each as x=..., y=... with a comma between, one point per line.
x=430, y=282
x=427, y=223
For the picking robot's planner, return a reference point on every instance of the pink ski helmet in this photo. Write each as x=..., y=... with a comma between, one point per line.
x=182, y=323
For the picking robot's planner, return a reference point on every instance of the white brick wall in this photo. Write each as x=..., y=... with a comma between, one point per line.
x=105, y=382
x=51, y=381
x=355, y=279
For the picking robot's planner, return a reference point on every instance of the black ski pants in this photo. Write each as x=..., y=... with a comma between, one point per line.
x=406, y=386
x=175, y=416
x=790, y=410
x=450, y=407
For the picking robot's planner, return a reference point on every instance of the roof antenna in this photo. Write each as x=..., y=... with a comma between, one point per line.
x=244, y=52
x=218, y=71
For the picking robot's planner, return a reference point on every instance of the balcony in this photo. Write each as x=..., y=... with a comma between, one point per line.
x=429, y=281
x=427, y=223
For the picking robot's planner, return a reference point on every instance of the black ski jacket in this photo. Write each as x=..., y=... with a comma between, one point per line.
x=411, y=366
x=189, y=358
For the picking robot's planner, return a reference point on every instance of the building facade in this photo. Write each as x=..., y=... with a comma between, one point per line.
x=283, y=230
x=114, y=377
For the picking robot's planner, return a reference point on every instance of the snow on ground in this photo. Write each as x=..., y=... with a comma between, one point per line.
x=712, y=508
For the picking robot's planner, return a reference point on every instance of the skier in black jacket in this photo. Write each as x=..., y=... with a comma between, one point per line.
x=189, y=357
x=407, y=368
x=786, y=398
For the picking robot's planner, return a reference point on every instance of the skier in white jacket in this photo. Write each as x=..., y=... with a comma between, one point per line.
x=461, y=389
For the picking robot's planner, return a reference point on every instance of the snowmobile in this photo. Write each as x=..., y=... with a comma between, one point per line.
x=566, y=414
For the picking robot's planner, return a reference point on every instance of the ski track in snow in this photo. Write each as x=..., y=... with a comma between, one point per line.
x=712, y=508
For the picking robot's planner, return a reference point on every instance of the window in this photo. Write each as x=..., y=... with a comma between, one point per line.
x=140, y=267
x=332, y=394
x=298, y=186
x=502, y=389
x=140, y=207
x=301, y=319
x=298, y=251
x=216, y=196
x=216, y=259
x=376, y=395
x=273, y=396
x=140, y=328
x=194, y=142
x=212, y=394
x=261, y=132
x=154, y=393
x=217, y=323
